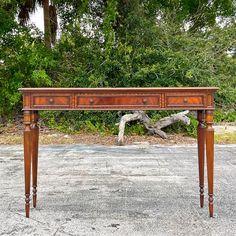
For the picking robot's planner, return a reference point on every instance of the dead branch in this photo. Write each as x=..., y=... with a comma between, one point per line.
x=153, y=128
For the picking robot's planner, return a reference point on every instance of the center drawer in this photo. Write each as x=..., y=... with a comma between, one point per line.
x=102, y=101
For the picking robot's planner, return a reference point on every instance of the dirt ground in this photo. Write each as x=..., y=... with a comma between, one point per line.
x=54, y=137
x=13, y=134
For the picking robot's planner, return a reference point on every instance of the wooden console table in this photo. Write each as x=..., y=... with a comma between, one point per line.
x=200, y=99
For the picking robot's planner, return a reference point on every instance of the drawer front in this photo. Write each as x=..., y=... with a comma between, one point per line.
x=182, y=100
x=116, y=101
x=41, y=101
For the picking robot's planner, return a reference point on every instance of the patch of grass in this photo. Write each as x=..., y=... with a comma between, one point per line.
x=11, y=139
x=225, y=138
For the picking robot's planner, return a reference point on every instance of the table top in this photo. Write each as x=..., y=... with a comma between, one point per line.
x=123, y=89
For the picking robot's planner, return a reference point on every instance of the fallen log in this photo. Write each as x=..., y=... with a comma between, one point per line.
x=152, y=128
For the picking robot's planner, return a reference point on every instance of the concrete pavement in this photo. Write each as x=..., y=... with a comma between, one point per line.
x=109, y=190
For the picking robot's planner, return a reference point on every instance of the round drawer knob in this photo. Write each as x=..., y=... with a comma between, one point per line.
x=91, y=101
x=185, y=100
x=51, y=100
x=144, y=101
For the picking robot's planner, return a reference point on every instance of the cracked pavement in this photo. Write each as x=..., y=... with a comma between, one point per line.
x=110, y=190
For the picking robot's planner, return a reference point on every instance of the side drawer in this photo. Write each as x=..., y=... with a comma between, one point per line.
x=184, y=100
x=113, y=101
x=47, y=100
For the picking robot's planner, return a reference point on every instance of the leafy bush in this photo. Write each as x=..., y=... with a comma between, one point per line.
x=25, y=62
x=128, y=47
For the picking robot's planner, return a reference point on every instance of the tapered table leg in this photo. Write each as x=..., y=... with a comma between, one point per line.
x=210, y=157
x=34, y=151
x=201, y=152
x=27, y=159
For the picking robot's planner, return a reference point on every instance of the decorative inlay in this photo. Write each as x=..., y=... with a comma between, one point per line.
x=209, y=100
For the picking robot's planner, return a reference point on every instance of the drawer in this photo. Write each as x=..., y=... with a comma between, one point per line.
x=51, y=100
x=103, y=101
x=182, y=100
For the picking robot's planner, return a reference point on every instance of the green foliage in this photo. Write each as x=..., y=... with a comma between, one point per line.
x=225, y=116
x=171, y=58
x=7, y=15
x=25, y=62
x=134, y=128
x=76, y=121
x=128, y=44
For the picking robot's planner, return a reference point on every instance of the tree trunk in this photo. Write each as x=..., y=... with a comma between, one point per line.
x=47, y=30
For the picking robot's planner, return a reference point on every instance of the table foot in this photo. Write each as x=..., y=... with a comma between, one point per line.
x=211, y=205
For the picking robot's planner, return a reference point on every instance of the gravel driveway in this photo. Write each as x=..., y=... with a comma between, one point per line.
x=110, y=190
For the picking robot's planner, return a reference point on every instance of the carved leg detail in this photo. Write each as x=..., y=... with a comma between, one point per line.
x=201, y=151
x=35, y=137
x=210, y=158
x=210, y=199
x=27, y=159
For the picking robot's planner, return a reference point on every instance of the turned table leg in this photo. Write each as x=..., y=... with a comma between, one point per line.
x=201, y=153
x=34, y=151
x=210, y=157
x=27, y=159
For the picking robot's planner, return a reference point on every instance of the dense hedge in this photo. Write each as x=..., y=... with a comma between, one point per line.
x=141, y=53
